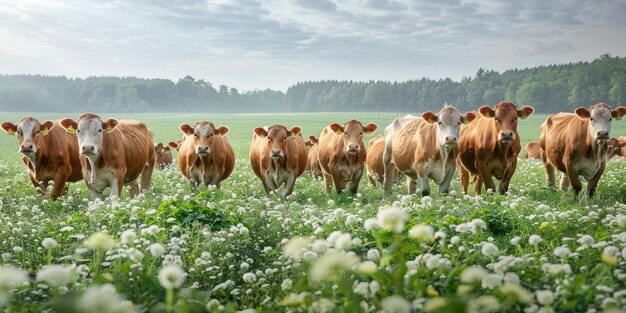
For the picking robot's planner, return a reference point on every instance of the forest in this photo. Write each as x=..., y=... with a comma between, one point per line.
x=551, y=88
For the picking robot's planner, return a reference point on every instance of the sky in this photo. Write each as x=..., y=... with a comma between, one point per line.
x=251, y=44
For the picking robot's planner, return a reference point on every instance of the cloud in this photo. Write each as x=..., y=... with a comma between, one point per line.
x=257, y=44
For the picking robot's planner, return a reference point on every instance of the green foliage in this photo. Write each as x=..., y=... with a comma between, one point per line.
x=194, y=210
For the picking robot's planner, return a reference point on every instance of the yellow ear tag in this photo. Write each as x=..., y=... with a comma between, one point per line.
x=70, y=130
x=44, y=132
x=109, y=130
x=293, y=136
x=11, y=132
x=339, y=132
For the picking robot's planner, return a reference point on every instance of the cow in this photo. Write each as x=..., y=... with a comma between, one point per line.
x=617, y=148
x=374, y=160
x=175, y=145
x=113, y=153
x=342, y=154
x=575, y=144
x=278, y=156
x=162, y=155
x=532, y=150
x=313, y=164
x=205, y=156
x=425, y=147
x=489, y=146
x=48, y=152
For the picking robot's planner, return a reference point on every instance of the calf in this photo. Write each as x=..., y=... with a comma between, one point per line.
x=313, y=162
x=426, y=147
x=49, y=153
x=162, y=155
x=374, y=160
x=617, y=148
x=532, y=150
x=489, y=146
x=342, y=154
x=278, y=156
x=113, y=153
x=575, y=144
x=205, y=156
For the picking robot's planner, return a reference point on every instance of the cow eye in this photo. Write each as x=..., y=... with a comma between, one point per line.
x=78, y=130
x=459, y=123
x=610, y=119
x=99, y=130
x=497, y=120
x=591, y=119
x=285, y=138
x=440, y=123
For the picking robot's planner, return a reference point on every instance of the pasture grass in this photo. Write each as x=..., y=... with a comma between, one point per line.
x=220, y=237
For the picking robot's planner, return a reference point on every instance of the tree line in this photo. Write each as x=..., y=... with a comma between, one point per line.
x=550, y=88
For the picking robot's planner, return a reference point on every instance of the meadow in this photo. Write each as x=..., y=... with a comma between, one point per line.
x=174, y=249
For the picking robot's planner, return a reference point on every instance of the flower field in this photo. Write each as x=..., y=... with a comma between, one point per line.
x=174, y=249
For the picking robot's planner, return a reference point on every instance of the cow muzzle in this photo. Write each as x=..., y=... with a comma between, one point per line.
x=87, y=150
x=353, y=148
x=202, y=151
x=276, y=154
x=507, y=136
x=602, y=135
x=451, y=140
x=28, y=148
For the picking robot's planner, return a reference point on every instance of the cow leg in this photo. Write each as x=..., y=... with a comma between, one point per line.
x=563, y=182
x=117, y=183
x=371, y=180
x=445, y=184
x=574, y=180
x=478, y=185
x=340, y=184
x=390, y=172
x=506, y=178
x=593, y=183
x=354, y=184
x=59, y=184
x=134, y=189
x=289, y=183
x=328, y=182
x=146, y=175
x=548, y=168
x=411, y=185
x=485, y=176
x=464, y=174
x=424, y=185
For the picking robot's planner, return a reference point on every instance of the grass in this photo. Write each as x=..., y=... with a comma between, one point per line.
x=219, y=238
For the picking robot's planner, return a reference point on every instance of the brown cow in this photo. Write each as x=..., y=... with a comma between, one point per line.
x=617, y=148
x=278, y=156
x=113, y=153
x=575, y=144
x=162, y=155
x=489, y=146
x=425, y=147
x=532, y=150
x=49, y=153
x=313, y=164
x=342, y=154
x=374, y=160
x=205, y=156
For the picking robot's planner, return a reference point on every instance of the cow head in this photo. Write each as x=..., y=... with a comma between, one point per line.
x=614, y=147
x=90, y=129
x=29, y=133
x=505, y=115
x=600, y=117
x=352, y=132
x=174, y=145
x=203, y=135
x=449, y=122
x=277, y=136
x=311, y=142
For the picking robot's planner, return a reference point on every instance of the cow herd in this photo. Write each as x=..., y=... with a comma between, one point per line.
x=483, y=144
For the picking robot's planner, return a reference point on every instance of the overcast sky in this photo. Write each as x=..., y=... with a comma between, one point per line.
x=272, y=44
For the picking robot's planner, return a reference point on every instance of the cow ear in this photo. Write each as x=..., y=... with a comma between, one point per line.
x=45, y=127
x=294, y=131
x=166, y=148
x=222, y=130
x=525, y=112
x=487, y=111
x=9, y=128
x=69, y=124
x=618, y=113
x=186, y=129
x=582, y=112
x=370, y=128
x=338, y=129
x=468, y=117
x=430, y=117
x=172, y=144
x=109, y=124
x=260, y=131
x=308, y=144
x=313, y=139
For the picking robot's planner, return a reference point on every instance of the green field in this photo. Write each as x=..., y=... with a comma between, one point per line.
x=231, y=243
